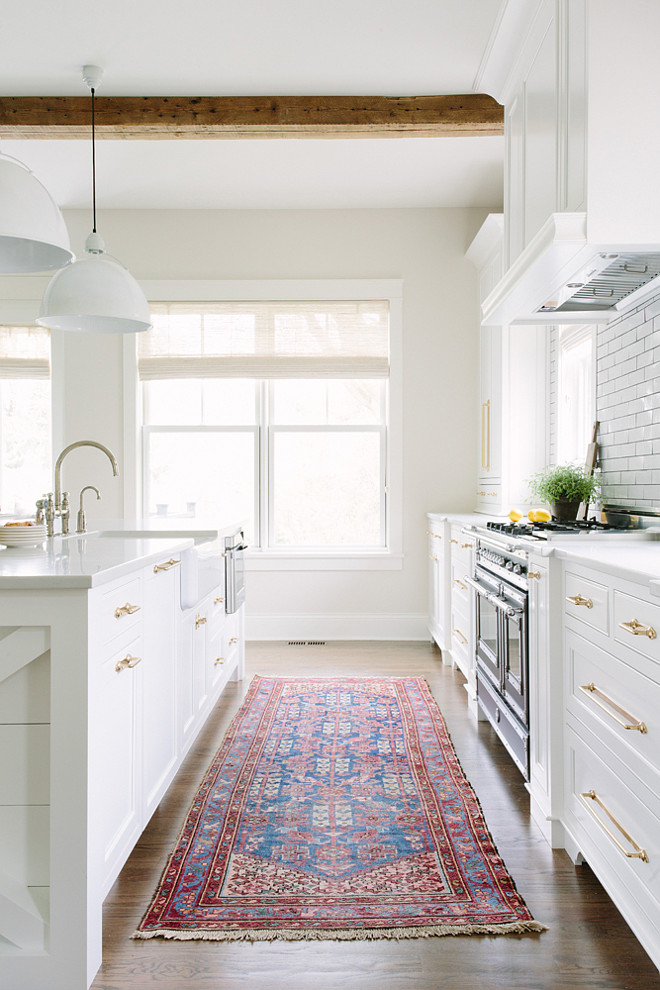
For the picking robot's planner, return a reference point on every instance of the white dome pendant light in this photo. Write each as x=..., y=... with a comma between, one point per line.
x=33, y=235
x=95, y=294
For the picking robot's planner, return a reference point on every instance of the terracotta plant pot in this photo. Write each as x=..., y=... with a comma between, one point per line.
x=564, y=509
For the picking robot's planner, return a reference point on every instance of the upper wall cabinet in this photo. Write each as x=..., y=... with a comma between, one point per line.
x=579, y=84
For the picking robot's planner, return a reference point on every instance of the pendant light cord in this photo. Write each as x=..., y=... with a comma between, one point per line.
x=93, y=165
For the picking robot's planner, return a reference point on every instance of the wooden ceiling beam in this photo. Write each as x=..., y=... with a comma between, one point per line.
x=169, y=117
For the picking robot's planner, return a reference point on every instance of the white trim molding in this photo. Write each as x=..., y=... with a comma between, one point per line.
x=337, y=626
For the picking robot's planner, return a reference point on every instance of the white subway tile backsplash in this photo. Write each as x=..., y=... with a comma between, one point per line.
x=628, y=406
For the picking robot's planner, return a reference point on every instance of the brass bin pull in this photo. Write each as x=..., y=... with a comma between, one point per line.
x=628, y=721
x=636, y=628
x=218, y=661
x=579, y=600
x=639, y=853
x=459, y=635
x=167, y=565
x=127, y=663
x=233, y=640
x=199, y=621
x=432, y=556
x=218, y=601
x=467, y=546
x=126, y=609
x=460, y=584
x=454, y=541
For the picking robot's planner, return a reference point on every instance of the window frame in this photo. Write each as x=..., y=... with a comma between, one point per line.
x=570, y=336
x=193, y=290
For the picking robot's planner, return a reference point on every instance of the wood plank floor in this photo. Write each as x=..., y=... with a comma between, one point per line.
x=588, y=944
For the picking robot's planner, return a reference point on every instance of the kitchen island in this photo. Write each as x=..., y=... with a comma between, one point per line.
x=105, y=680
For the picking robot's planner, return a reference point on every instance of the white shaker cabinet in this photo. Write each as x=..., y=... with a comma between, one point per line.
x=437, y=535
x=611, y=727
x=512, y=391
x=94, y=662
x=159, y=749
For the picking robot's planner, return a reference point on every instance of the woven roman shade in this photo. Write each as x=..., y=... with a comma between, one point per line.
x=24, y=352
x=300, y=339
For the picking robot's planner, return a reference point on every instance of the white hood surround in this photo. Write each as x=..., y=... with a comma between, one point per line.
x=582, y=200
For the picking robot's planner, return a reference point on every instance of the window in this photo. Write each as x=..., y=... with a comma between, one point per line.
x=25, y=417
x=576, y=393
x=276, y=410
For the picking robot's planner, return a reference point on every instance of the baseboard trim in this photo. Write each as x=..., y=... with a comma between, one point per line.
x=386, y=626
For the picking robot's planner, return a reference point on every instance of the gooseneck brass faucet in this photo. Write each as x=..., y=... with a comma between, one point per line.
x=60, y=506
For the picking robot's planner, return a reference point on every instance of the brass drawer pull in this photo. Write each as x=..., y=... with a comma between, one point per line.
x=460, y=584
x=218, y=601
x=233, y=640
x=639, y=853
x=199, y=621
x=432, y=556
x=628, y=721
x=579, y=600
x=534, y=574
x=436, y=536
x=167, y=565
x=127, y=663
x=460, y=637
x=636, y=628
x=126, y=609
x=218, y=661
x=466, y=546
x=452, y=540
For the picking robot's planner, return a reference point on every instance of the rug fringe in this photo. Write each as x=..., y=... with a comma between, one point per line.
x=342, y=934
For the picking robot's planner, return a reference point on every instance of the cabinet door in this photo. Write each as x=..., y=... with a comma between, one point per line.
x=490, y=397
x=185, y=681
x=158, y=673
x=117, y=738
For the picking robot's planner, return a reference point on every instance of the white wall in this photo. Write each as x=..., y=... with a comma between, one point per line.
x=426, y=249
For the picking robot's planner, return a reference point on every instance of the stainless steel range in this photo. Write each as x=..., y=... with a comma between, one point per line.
x=500, y=584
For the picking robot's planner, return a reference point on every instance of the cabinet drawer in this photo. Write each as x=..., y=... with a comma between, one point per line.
x=637, y=625
x=616, y=814
x=120, y=608
x=587, y=601
x=619, y=702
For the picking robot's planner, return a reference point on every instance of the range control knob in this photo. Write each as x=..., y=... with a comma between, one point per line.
x=518, y=569
x=509, y=565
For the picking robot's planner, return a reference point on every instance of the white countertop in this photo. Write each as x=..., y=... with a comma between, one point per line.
x=200, y=530
x=631, y=561
x=82, y=561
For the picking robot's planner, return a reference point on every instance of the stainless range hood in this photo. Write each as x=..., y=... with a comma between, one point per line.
x=561, y=277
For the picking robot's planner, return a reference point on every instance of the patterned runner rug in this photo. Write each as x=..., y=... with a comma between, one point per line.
x=335, y=809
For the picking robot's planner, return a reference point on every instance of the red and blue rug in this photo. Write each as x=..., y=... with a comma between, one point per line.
x=335, y=809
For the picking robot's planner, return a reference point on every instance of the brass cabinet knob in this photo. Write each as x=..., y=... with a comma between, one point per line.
x=534, y=574
x=126, y=609
x=636, y=628
x=579, y=600
x=127, y=663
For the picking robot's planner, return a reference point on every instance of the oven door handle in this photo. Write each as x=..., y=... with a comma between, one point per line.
x=494, y=599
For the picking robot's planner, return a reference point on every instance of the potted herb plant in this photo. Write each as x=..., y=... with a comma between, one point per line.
x=564, y=487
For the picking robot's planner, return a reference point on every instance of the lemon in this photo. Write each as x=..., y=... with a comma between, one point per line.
x=514, y=516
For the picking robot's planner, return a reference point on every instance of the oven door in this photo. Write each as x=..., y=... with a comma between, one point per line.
x=488, y=636
x=514, y=658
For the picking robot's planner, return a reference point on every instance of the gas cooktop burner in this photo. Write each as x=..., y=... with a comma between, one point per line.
x=533, y=529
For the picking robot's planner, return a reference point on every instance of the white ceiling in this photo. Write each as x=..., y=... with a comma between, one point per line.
x=256, y=47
